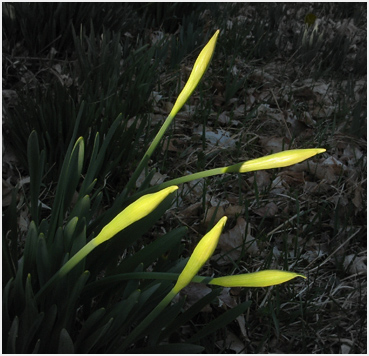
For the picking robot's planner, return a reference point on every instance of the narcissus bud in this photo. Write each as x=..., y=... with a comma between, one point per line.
x=202, y=252
x=276, y=160
x=257, y=279
x=132, y=213
x=199, y=68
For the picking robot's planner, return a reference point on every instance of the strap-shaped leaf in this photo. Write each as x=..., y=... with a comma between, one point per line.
x=79, y=241
x=221, y=321
x=6, y=305
x=98, y=157
x=73, y=174
x=10, y=235
x=65, y=345
x=58, y=211
x=190, y=313
x=69, y=232
x=89, y=326
x=30, y=332
x=31, y=311
x=183, y=348
x=12, y=338
x=48, y=330
x=30, y=250
x=166, y=317
x=95, y=337
x=69, y=311
x=152, y=252
x=119, y=314
x=57, y=250
x=43, y=260
x=36, y=162
x=9, y=270
x=82, y=208
x=132, y=284
x=18, y=294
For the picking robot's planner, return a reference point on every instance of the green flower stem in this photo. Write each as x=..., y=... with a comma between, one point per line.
x=181, y=180
x=148, y=154
x=70, y=264
x=147, y=321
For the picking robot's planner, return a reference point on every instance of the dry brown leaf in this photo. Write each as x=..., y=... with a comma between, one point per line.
x=351, y=154
x=262, y=179
x=192, y=210
x=232, y=342
x=261, y=76
x=323, y=112
x=223, y=118
x=358, y=200
x=157, y=178
x=305, y=92
x=226, y=298
x=7, y=193
x=218, y=211
x=240, y=111
x=355, y=264
x=273, y=144
x=234, y=241
x=233, y=210
x=268, y=211
x=292, y=178
x=319, y=170
x=214, y=201
x=194, y=292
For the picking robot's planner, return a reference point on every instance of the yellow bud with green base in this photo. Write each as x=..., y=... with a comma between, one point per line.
x=132, y=213
x=275, y=160
x=257, y=279
x=199, y=68
x=202, y=252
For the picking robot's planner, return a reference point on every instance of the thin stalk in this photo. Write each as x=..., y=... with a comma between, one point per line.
x=181, y=180
x=148, y=154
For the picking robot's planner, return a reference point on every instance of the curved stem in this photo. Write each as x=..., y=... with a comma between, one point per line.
x=148, y=153
x=180, y=180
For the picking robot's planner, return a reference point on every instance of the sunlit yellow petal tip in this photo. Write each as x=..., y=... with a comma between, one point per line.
x=203, y=251
x=132, y=213
x=257, y=279
x=199, y=68
x=278, y=160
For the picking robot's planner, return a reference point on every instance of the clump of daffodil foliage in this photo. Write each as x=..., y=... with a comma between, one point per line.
x=68, y=292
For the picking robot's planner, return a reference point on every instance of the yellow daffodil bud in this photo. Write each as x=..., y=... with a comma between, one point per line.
x=199, y=68
x=276, y=160
x=257, y=279
x=132, y=213
x=202, y=252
